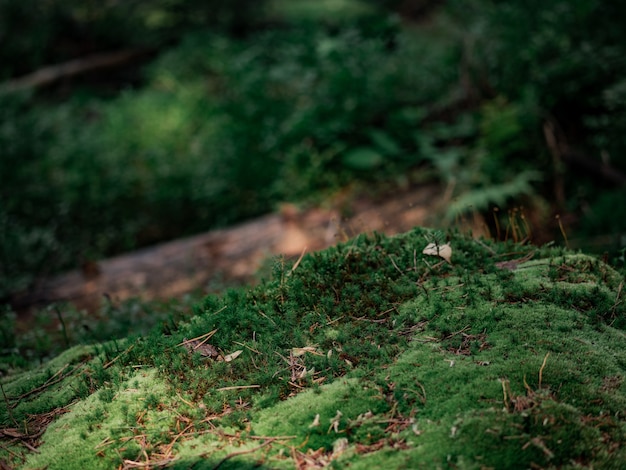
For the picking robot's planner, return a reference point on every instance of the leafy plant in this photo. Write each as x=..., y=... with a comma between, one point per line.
x=559, y=63
x=225, y=130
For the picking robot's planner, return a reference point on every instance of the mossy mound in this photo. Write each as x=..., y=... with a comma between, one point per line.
x=367, y=355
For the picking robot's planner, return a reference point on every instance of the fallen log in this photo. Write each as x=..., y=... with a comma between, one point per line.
x=232, y=254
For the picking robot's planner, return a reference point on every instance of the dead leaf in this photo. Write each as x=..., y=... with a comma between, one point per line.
x=366, y=449
x=12, y=432
x=205, y=349
x=339, y=447
x=443, y=251
x=316, y=421
x=334, y=423
x=306, y=372
x=307, y=349
x=231, y=356
x=363, y=416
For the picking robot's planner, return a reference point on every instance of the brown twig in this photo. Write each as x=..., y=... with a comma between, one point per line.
x=237, y=387
x=6, y=400
x=243, y=452
x=48, y=383
x=195, y=341
x=53, y=73
x=247, y=347
x=168, y=448
x=112, y=361
x=617, y=301
x=481, y=243
x=299, y=259
x=506, y=391
x=395, y=265
x=558, y=218
x=545, y=359
x=458, y=332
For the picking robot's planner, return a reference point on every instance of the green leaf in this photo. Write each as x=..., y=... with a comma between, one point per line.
x=384, y=142
x=362, y=158
x=495, y=194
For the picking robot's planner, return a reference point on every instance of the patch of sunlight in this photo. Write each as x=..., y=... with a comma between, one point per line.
x=318, y=9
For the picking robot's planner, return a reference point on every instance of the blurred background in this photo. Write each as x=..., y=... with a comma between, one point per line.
x=126, y=123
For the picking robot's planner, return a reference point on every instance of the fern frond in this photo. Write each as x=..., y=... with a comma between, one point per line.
x=494, y=195
x=436, y=236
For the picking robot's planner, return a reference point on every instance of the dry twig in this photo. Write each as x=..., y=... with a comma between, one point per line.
x=243, y=452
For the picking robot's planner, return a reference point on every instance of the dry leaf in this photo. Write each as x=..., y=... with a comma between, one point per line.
x=205, y=349
x=316, y=421
x=443, y=251
x=339, y=447
x=334, y=423
x=12, y=432
x=231, y=356
x=302, y=351
x=363, y=416
x=306, y=372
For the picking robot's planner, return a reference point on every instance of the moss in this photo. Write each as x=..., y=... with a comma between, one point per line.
x=95, y=431
x=366, y=355
x=45, y=388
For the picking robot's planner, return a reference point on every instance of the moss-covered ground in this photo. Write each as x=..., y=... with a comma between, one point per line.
x=367, y=355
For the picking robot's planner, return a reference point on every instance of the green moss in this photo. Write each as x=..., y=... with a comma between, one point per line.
x=47, y=387
x=353, y=359
x=91, y=435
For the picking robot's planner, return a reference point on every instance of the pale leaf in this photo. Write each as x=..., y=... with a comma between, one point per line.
x=205, y=349
x=316, y=421
x=443, y=251
x=334, y=423
x=302, y=351
x=231, y=356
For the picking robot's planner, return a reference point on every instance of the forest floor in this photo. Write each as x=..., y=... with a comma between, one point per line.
x=375, y=353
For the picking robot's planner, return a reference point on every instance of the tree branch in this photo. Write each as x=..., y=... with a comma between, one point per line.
x=53, y=73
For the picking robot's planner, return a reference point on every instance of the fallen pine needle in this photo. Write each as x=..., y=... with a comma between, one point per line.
x=299, y=259
x=242, y=452
x=205, y=337
x=237, y=387
x=112, y=361
x=545, y=359
x=169, y=447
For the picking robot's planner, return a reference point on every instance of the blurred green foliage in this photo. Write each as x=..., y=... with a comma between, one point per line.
x=227, y=125
x=567, y=55
x=561, y=62
x=223, y=130
x=35, y=33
